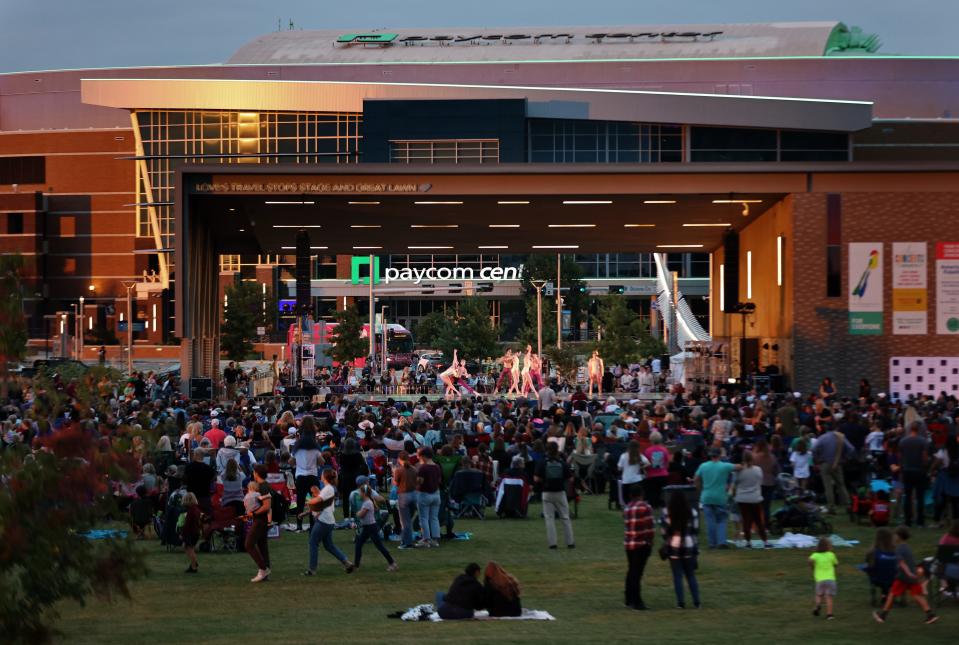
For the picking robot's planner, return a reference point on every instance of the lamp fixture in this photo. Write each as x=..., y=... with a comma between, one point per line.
x=659, y=201
x=513, y=203
x=434, y=225
x=493, y=246
x=572, y=226
x=290, y=203
x=703, y=225
x=428, y=247
x=363, y=203
x=434, y=203
x=293, y=248
x=366, y=225
x=366, y=248
x=297, y=226
x=586, y=202
x=737, y=201
x=679, y=246
x=639, y=225
x=503, y=225
x=556, y=246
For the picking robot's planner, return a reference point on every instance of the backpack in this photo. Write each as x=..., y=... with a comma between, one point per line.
x=555, y=471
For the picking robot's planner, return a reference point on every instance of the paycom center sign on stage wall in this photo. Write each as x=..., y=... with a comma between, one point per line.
x=865, y=288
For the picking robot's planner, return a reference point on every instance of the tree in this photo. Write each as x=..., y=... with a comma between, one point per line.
x=50, y=498
x=349, y=343
x=566, y=359
x=429, y=329
x=543, y=267
x=242, y=315
x=470, y=330
x=625, y=337
x=13, y=325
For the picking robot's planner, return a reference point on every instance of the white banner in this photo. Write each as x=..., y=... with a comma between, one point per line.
x=909, y=297
x=865, y=288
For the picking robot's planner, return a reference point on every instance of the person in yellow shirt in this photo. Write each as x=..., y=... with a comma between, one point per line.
x=824, y=563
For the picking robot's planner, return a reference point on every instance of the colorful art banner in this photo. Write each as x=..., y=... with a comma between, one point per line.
x=865, y=288
x=947, y=287
x=909, y=293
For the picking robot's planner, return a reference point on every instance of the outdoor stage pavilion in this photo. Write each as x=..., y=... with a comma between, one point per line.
x=762, y=158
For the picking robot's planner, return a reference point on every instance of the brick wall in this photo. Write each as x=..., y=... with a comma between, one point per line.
x=822, y=344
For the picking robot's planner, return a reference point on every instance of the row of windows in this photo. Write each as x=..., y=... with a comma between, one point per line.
x=641, y=265
x=575, y=141
x=459, y=151
x=14, y=223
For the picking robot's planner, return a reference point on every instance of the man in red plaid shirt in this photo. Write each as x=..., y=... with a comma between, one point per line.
x=638, y=540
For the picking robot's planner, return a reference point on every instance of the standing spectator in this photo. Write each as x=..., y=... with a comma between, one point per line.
x=749, y=497
x=428, y=479
x=404, y=478
x=199, y=477
x=657, y=472
x=908, y=579
x=787, y=420
x=630, y=465
x=256, y=537
x=305, y=454
x=553, y=473
x=680, y=525
x=230, y=376
x=638, y=540
x=369, y=530
x=947, y=479
x=769, y=464
x=830, y=453
x=914, y=462
x=711, y=480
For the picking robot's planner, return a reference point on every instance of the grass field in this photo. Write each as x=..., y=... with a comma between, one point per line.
x=748, y=596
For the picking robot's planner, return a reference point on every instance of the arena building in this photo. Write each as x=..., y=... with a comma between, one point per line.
x=802, y=185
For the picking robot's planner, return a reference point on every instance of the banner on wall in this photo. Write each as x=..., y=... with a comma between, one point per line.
x=909, y=296
x=865, y=288
x=947, y=287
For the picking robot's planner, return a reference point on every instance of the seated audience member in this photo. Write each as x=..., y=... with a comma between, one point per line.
x=464, y=597
x=502, y=591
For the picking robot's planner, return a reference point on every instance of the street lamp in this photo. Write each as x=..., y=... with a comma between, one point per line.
x=80, y=331
x=128, y=285
x=383, y=335
x=538, y=285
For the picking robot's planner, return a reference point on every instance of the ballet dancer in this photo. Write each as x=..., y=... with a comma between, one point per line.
x=448, y=375
x=527, y=364
x=536, y=372
x=595, y=368
x=462, y=378
x=507, y=361
x=514, y=377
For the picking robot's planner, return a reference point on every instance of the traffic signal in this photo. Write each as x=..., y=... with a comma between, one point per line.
x=581, y=289
x=617, y=289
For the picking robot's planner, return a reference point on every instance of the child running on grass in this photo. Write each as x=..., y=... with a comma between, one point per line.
x=823, y=563
x=909, y=578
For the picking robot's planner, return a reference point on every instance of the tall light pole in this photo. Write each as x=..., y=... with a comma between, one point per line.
x=559, y=304
x=538, y=285
x=383, y=336
x=372, y=332
x=128, y=285
x=80, y=331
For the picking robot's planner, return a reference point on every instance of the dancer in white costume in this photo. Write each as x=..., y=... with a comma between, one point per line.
x=527, y=366
x=595, y=368
x=515, y=376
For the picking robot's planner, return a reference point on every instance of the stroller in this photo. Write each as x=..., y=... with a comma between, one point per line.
x=800, y=512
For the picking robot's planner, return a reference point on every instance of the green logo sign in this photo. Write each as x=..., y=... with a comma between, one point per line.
x=359, y=261
x=952, y=325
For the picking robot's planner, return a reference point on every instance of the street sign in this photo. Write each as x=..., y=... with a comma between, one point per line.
x=261, y=331
x=548, y=289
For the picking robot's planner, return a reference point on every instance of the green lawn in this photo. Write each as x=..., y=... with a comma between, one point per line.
x=748, y=596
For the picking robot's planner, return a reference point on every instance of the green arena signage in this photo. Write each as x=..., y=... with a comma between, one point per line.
x=371, y=39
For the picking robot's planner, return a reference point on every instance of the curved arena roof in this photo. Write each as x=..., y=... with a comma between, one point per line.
x=526, y=44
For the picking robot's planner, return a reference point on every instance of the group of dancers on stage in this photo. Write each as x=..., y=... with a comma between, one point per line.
x=522, y=380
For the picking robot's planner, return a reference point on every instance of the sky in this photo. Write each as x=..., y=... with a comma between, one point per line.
x=64, y=34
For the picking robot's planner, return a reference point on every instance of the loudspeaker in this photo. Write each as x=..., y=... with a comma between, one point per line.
x=730, y=271
x=302, y=273
x=201, y=388
x=748, y=356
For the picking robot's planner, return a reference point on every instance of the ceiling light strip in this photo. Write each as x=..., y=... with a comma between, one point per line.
x=639, y=226
x=679, y=246
x=701, y=225
x=572, y=226
x=556, y=246
x=586, y=202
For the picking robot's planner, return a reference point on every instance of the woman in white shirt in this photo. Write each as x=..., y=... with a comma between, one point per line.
x=801, y=459
x=631, y=467
x=305, y=454
x=749, y=497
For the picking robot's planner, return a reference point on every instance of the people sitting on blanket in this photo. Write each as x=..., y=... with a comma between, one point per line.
x=499, y=594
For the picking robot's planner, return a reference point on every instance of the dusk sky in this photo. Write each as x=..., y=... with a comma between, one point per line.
x=58, y=34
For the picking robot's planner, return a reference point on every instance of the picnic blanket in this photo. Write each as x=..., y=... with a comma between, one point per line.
x=428, y=613
x=797, y=541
